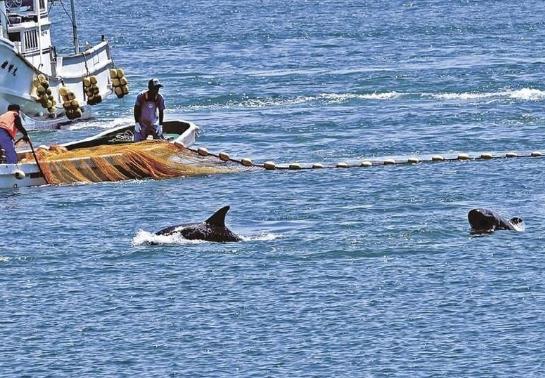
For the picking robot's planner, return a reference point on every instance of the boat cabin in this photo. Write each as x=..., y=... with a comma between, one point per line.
x=28, y=28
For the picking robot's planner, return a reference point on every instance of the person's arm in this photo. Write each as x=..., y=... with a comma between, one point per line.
x=19, y=126
x=136, y=113
x=137, y=108
x=161, y=109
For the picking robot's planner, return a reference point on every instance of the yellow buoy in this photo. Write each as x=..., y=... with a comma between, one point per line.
x=113, y=73
x=486, y=155
x=366, y=163
x=93, y=80
x=389, y=162
x=437, y=158
x=86, y=82
x=317, y=165
x=536, y=154
x=342, y=164
x=120, y=73
x=202, y=151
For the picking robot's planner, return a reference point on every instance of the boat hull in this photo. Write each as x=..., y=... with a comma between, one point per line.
x=18, y=74
x=11, y=177
x=16, y=80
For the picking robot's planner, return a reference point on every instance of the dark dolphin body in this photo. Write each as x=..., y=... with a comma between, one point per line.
x=213, y=229
x=485, y=220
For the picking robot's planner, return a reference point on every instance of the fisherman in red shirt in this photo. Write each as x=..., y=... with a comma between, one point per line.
x=10, y=123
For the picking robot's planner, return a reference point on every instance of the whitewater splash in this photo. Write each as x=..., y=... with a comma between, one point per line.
x=99, y=124
x=150, y=238
x=524, y=94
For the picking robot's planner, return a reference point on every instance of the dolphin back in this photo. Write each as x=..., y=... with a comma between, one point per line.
x=218, y=218
x=213, y=229
x=169, y=230
x=489, y=220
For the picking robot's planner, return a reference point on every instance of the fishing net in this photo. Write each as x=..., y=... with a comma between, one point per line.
x=149, y=159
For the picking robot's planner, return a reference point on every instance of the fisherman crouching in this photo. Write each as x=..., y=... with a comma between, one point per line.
x=148, y=104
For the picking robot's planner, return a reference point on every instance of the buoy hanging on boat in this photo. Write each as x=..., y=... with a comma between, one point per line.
x=90, y=87
x=70, y=104
x=120, y=85
x=43, y=93
x=19, y=175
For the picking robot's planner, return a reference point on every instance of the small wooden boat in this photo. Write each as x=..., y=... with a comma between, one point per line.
x=27, y=173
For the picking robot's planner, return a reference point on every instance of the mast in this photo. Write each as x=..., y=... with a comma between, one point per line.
x=39, y=15
x=74, y=27
x=3, y=19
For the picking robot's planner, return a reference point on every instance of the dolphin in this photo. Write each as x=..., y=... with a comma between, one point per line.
x=213, y=229
x=485, y=220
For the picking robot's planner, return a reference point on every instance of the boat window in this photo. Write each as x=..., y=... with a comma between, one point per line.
x=14, y=37
x=27, y=3
x=20, y=5
x=31, y=40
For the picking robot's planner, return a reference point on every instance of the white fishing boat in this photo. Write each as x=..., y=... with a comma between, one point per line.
x=51, y=89
x=28, y=173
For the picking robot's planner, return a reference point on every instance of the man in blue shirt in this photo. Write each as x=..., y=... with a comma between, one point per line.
x=148, y=104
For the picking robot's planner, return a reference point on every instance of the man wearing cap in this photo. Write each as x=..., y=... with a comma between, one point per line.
x=10, y=123
x=145, y=112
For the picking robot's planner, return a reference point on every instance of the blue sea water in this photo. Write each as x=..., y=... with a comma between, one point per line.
x=343, y=272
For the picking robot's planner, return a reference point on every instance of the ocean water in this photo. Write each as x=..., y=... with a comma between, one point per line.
x=342, y=272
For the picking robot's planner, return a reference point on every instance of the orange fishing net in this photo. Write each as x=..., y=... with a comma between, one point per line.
x=149, y=159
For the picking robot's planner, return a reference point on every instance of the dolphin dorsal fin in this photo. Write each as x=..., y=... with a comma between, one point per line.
x=218, y=218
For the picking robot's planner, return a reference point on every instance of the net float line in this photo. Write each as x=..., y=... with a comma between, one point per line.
x=366, y=163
